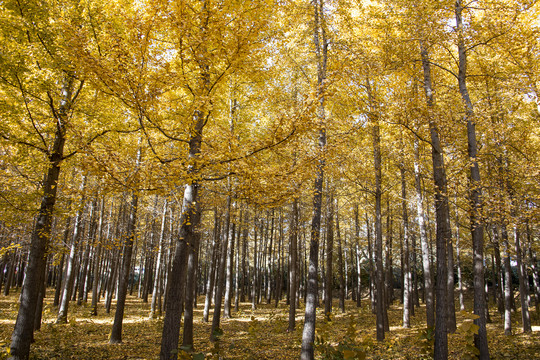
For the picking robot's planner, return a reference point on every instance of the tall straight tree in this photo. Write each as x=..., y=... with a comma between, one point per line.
x=321, y=53
x=116, y=331
x=442, y=213
x=475, y=190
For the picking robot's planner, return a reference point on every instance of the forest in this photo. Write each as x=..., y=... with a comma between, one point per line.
x=269, y=179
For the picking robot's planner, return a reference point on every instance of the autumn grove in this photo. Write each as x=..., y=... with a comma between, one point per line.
x=269, y=179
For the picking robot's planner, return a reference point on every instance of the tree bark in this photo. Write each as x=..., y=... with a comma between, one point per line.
x=293, y=264
x=342, y=270
x=116, y=331
x=321, y=50
x=407, y=295
x=23, y=331
x=97, y=259
x=213, y=258
x=475, y=194
x=523, y=290
x=328, y=293
x=70, y=266
x=442, y=215
x=221, y=275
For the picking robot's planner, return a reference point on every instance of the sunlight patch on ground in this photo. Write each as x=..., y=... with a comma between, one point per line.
x=535, y=328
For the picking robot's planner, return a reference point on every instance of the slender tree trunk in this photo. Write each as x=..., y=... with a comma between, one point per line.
x=321, y=50
x=293, y=253
x=221, y=275
x=533, y=262
x=442, y=217
x=86, y=256
x=237, y=285
x=458, y=261
x=23, y=331
x=70, y=266
x=379, y=270
x=389, y=292
x=189, y=222
x=358, y=258
x=193, y=255
x=229, y=273
x=60, y=278
x=245, y=261
x=475, y=194
x=213, y=258
x=116, y=331
x=255, y=265
x=342, y=271
x=523, y=291
x=156, y=293
x=328, y=293
x=95, y=292
x=507, y=283
x=407, y=296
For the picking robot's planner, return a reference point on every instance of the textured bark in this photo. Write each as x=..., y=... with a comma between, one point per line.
x=97, y=259
x=380, y=308
x=328, y=293
x=293, y=264
x=441, y=216
x=358, y=258
x=507, y=283
x=321, y=50
x=229, y=273
x=24, y=325
x=523, y=290
x=255, y=276
x=193, y=255
x=116, y=331
x=342, y=268
x=475, y=193
x=213, y=258
x=420, y=215
x=85, y=263
x=70, y=266
x=407, y=294
x=221, y=275
x=157, y=292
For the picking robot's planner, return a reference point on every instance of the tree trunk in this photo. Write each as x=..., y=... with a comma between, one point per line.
x=156, y=293
x=328, y=293
x=475, y=194
x=70, y=266
x=380, y=307
x=24, y=325
x=229, y=273
x=213, y=258
x=342, y=271
x=522, y=276
x=189, y=222
x=86, y=256
x=221, y=275
x=407, y=295
x=293, y=253
x=255, y=266
x=97, y=259
x=193, y=255
x=358, y=258
x=321, y=50
x=116, y=331
x=442, y=217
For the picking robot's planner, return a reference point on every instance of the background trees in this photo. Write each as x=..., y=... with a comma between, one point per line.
x=181, y=142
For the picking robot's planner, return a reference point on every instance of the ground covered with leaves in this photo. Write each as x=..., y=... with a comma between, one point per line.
x=261, y=334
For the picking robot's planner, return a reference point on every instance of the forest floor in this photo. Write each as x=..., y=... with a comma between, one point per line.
x=261, y=334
